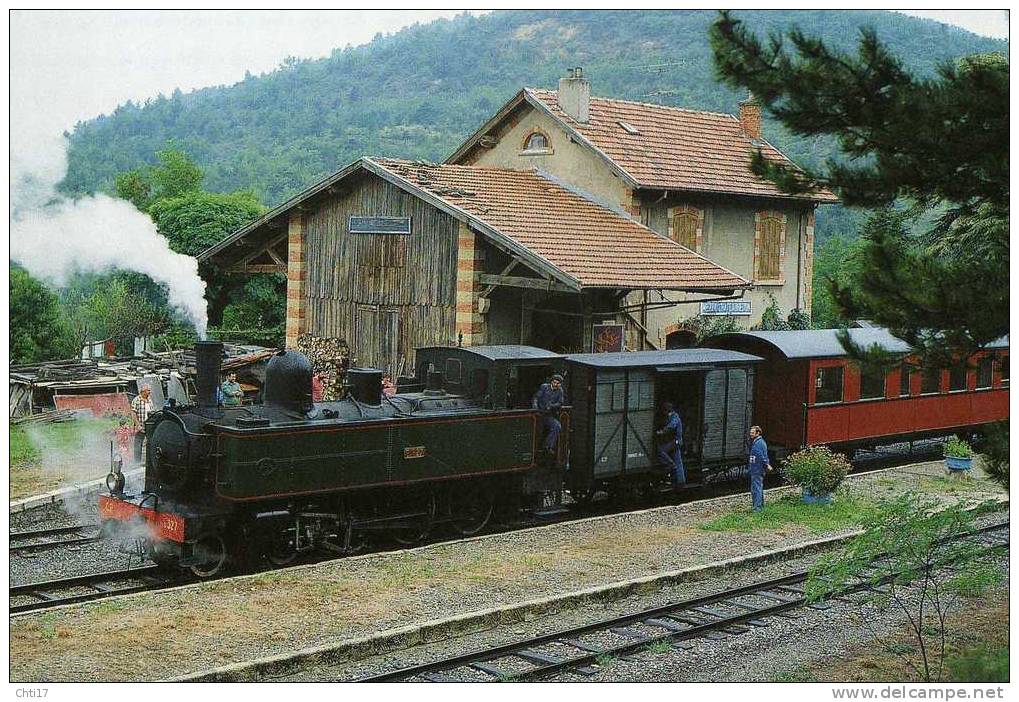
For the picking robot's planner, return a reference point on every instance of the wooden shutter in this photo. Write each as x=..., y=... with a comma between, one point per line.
x=771, y=246
x=684, y=229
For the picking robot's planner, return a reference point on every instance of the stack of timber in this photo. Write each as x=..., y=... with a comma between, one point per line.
x=51, y=417
x=330, y=358
x=32, y=386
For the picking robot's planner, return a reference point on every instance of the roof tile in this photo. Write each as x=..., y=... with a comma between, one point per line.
x=675, y=149
x=592, y=244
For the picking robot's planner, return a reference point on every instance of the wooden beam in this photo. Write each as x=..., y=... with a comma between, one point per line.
x=257, y=268
x=264, y=249
x=488, y=291
x=519, y=282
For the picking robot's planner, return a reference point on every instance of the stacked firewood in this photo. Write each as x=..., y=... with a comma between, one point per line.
x=330, y=358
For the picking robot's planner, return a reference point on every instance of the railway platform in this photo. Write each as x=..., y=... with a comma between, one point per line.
x=274, y=625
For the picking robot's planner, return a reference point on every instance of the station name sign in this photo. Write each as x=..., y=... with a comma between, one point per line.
x=378, y=225
x=739, y=308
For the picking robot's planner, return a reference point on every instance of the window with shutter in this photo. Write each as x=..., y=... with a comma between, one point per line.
x=684, y=229
x=770, y=252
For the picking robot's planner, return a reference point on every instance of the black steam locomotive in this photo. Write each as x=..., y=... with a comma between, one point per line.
x=458, y=441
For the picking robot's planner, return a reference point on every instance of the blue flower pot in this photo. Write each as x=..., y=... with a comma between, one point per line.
x=955, y=463
x=812, y=499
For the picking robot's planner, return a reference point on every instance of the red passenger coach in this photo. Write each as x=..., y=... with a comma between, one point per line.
x=809, y=392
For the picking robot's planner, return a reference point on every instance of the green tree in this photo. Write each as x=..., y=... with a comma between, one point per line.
x=173, y=176
x=910, y=558
x=836, y=262
x=105, y=306
x=940, y=141
x=195, y=220
x=38, y=331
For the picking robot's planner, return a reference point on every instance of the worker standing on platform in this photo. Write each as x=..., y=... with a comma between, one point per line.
x=549, y=400
x=758, y=465
x=670, y=444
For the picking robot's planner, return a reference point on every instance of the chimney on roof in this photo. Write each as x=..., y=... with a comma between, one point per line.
x=750, y=117
x=575, y=94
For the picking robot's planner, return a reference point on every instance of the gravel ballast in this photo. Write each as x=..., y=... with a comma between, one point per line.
x=195, y=628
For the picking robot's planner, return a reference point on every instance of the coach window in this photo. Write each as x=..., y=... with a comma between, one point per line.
x=1004, y=371
x=907, y=373
x=453, y=370
x=828, y=385
x=957, y=378
x=985, y=371
x=930, y=381
x=872, y=384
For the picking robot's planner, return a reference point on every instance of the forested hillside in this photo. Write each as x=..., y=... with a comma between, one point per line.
x=419, y=92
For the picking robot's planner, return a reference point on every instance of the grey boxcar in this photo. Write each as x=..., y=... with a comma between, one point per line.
x=615, y=399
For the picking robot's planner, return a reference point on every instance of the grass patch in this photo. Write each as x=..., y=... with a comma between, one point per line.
x=963, y=485
x=983, y=664
x=23, y=451
x=844, y=511
x=660, y=646
x=797, y=675
x=46, y=456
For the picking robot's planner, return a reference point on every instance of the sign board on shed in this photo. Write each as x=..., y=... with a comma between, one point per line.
x=378, y=225
x=607, y=338
x=739, y=308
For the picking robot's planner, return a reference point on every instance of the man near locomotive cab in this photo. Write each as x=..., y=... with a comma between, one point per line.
x=141, y=406
x=757, y=464
x=670, y=444
x=549, y=400
x=233, y=395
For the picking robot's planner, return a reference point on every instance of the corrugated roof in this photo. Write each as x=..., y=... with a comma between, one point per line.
x=675, y=149
x=590, y=243
x=824, y=343
x=661, y=359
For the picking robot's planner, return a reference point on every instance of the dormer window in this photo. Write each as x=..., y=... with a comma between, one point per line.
x=629, y=128
x=537, y=143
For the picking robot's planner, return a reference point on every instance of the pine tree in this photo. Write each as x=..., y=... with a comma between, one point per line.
x=912, y=147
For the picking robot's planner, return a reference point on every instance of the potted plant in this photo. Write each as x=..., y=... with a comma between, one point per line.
x=818, y=471
x=958, y=454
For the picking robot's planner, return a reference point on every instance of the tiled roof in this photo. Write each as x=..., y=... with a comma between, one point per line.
x=592, y=244
x=674, y=149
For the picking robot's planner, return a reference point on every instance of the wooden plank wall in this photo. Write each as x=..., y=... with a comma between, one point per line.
x=355, y=280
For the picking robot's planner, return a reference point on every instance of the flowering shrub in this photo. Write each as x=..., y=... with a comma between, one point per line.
x=816, y=469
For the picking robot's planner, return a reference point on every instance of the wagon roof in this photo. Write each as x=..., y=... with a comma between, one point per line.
x=824, y=343
x=661, y=359
x=503, y=352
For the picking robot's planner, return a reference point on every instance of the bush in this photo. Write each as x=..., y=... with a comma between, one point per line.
x=816, y=469
x=957, y=448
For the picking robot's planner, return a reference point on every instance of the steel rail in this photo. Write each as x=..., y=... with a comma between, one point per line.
x=669, y=617
x=102, y=585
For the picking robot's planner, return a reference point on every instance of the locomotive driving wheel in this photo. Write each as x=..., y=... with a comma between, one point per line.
x=211, y=555
x=417, y=516
x=470, y=510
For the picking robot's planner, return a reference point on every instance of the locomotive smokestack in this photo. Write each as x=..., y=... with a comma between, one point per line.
x=208, y=361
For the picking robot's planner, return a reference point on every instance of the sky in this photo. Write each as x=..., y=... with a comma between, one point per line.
x=69, y=66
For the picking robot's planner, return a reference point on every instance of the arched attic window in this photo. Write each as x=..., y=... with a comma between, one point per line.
x=537, y=142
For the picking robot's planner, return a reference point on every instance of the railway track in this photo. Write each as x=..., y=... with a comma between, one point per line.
x=46, y=594
x=580, y=649
x=52, y=593
x=34, y=540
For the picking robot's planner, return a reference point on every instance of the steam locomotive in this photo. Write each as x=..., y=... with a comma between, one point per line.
x=460, y=440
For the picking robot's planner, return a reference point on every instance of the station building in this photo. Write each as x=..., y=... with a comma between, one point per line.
x=566, y=222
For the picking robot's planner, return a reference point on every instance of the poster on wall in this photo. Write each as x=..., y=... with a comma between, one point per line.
x=607, y=338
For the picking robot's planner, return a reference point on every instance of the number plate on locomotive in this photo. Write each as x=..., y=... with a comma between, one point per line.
x=415, y=452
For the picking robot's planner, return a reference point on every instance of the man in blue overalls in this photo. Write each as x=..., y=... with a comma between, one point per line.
x=758, y=465
x=549, y=400
x=670, y=444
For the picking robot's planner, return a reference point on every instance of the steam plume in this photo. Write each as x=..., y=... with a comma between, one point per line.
x=52, y=237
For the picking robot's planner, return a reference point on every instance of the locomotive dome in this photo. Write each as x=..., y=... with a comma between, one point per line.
x=288, y=381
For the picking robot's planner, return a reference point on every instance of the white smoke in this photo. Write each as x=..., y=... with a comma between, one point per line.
x=52, y=236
